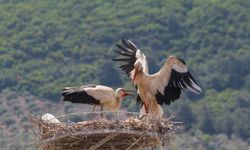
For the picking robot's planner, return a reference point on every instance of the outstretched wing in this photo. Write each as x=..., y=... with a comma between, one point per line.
x=129, y=54
x=79, y=95
x=173, y=77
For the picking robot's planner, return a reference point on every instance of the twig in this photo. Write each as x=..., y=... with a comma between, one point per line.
x=106, y=139
x=135, y=142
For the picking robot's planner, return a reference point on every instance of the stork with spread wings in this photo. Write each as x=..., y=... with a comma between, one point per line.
x=156, y=89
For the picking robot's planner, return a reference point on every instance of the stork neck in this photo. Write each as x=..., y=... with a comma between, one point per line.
x=117, y=102
x=118, y=98
x=139, y=77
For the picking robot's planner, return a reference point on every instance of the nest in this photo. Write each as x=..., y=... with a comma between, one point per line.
x=129, y=133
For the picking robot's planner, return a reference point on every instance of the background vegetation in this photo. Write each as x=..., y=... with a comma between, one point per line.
x=46, y=45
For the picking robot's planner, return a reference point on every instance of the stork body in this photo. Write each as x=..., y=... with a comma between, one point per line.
x=100, y=95
x=157, y=89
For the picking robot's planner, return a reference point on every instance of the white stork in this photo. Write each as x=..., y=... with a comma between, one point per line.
x=100, y=95
x=162, y=87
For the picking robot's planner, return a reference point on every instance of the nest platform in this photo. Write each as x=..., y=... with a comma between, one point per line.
x=115, y=131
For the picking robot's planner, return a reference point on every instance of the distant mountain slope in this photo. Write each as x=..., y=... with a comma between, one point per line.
x=46, y=45
x=15, y=110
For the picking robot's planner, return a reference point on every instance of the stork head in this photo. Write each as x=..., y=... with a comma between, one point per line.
x=138, y=68
x=122, y=93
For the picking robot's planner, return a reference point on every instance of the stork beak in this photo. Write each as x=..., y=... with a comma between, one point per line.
x=129, y=92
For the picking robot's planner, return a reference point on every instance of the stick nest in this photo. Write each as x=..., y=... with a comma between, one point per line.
x=129, y=133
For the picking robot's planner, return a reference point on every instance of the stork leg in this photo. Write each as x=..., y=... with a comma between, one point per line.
x=94, y=108
x=146, y=108
x=101, y=111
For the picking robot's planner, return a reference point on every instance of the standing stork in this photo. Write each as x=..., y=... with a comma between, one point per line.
x=100, y=95
x=162, y=87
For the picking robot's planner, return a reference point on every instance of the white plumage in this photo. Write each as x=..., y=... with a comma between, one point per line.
x=155, y=89
x=103, y=96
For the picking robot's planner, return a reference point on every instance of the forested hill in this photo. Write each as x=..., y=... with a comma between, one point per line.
x=46, y=45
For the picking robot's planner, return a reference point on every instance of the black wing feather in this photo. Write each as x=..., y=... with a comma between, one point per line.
x=177, y=82
x=129, y=46
x=123, y=53
x=127, y=51
x=132, y=45
x=78, y=95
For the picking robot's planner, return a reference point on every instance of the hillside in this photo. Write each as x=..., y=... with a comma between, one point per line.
x=46, y=45
x=15, y=110
x=17, y=132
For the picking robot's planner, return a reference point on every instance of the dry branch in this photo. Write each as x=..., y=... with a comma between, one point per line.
x=130, y=133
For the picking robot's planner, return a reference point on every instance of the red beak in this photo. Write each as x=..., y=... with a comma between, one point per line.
x=128, y=93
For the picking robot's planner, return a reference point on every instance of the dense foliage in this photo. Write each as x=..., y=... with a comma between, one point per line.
x=46, y=45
